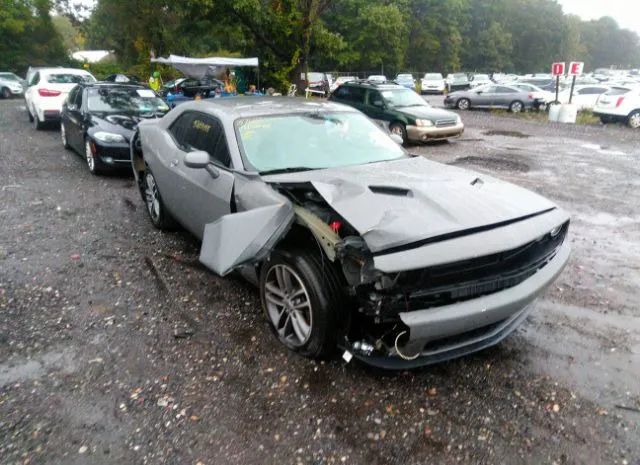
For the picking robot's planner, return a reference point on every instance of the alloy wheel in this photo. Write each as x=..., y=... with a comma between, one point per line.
x=152, y=197
x=91, y=161
x=463, y=104
x=516, y=107
x=288, y=305
x=634, y=121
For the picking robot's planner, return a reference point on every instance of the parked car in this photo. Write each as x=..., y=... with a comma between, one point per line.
x=98, y=119
x=543, y=97
x=10, y=85
x=543, y=83
x=123, y=78
x=47, y=91
x=492, y=96
x=619, y=104
x=172, y=86
x=433, y=83
x=406, y=80
x=478, y=80
x=352, y=243
x=457, y=81
x=319, y=83
x=341, y=80
x=585, y=97
x=401, y=110
x=191, y=87
x=377, y=78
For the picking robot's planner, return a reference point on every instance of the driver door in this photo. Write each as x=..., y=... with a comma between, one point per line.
x=197, y=196
x=484, y=97
x=376, y=108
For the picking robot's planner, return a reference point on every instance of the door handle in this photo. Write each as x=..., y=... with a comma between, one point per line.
x=174, y=163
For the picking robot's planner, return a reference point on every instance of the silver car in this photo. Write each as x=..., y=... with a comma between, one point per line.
x=493, y=96
x=396, y=260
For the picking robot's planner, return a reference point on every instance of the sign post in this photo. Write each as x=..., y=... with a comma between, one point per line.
x=557, y=70
x=575, y=69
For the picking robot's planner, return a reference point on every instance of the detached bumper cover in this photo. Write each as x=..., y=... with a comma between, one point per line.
x=420, y=133
x=477, y=323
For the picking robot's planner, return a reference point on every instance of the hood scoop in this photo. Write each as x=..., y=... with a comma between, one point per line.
x=391, y=190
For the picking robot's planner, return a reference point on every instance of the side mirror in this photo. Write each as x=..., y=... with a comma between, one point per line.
x=396, y=138
x=196, y=159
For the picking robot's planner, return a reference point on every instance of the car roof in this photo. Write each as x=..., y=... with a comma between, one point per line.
x=232, y=108
x=377, y=85
x=63, y=70
x=102, y=84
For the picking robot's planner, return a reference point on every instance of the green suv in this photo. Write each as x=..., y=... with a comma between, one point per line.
x=401, y=110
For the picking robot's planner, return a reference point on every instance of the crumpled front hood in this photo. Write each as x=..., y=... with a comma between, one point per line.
x=396, y=203
x=426, y=112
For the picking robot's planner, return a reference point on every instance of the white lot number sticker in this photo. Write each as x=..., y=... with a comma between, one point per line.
x=386, y=93
x=146, y=93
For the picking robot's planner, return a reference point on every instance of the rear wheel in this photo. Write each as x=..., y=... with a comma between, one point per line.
x=301, y=295
x=606, y=119
x=463, y=104
x=37, y=124
x=158, y=213
x=516, y=107
x=633, y=120
x=399, y=130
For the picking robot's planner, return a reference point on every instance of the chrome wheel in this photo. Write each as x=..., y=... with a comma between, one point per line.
x=288, y=305
x=91, y=161
x=516, y=107
x=463, y=104
x=63, y=136
x=634, y=120
x=152, y=197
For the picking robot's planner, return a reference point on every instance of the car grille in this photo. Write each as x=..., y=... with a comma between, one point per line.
x=443, y=123
x=469, y=279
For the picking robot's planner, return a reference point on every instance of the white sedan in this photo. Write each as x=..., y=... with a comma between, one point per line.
x=47, y=91
x=585, y=97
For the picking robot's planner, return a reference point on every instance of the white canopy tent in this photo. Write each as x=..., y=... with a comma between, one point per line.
x=201, y=67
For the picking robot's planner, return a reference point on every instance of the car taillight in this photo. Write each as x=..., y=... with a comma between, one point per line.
x=335, y=226
x=619, y=102
x=48, y=93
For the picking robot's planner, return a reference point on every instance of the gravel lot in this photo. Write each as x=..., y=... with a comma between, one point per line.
x=117, y=347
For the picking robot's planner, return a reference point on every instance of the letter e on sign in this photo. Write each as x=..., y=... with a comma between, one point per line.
x=575, y=68
x=557, y=69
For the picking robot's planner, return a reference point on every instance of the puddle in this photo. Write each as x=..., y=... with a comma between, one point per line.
x=497, y=132
x=11, y=372
x=604, y=149
x=491, y=163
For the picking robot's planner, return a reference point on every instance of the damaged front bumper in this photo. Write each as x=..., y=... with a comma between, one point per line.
x=451, y=331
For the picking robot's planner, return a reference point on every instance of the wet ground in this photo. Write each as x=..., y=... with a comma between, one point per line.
x=117, y=347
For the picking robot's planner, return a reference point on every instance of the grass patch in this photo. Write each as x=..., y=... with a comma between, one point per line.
x=585, y=117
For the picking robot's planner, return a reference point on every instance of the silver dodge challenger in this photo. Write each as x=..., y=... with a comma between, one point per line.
x=354, y=244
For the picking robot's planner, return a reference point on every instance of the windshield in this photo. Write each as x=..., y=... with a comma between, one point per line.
x=313, y=141
x=9, y=77
x=433, y=76
x=121, y=100
x=69, y=78
x=481, y=77
x=402, y=98
x=460, y=76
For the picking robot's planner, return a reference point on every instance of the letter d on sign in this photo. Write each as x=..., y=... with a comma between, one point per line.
x=557, y=69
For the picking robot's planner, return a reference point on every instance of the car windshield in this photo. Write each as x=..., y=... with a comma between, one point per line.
x=481, y=77
x=402, y=98
x=460, y=76
x=9, y=77
x=299, y=142
x=119, y=100
x=433, y=77
x=69, y=78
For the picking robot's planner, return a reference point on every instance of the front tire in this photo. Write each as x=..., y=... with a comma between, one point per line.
x=92, y=162
x=301, y=296
x=158, y=213
x=463, y=104
x=399, y=130
x=6, y=93
x=633, y=120
x=63, y=136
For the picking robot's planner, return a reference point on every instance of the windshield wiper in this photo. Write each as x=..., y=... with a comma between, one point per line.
x=291, y=169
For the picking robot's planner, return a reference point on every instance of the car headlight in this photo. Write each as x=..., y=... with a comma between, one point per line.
x=425, y=123
x=108, y=137
x=555, y=231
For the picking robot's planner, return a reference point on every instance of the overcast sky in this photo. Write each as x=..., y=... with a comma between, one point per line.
x=625, y=12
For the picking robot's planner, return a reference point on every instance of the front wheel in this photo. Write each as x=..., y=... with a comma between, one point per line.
x=516, y=107
x=6, y=93
x=399, y=130
x=463, y=104
x=63, y=136
x=633, y=120
x=301, y=296
x=90, y=157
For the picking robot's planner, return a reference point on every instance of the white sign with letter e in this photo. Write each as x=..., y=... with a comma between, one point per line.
x=576, y=68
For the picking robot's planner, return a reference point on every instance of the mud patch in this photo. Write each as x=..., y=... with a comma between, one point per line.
x=491, y=163
x=497, y=132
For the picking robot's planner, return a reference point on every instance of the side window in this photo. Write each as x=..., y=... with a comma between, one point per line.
x=373, y=96
x=79, y=97
x=342, y=93
x=35, y=79
x=197, y=131
x=357, y=94
x=72, y=96
x=504, y=90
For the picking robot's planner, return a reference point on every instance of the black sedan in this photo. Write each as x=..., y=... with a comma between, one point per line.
x=98, y=120
x=190, y=87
